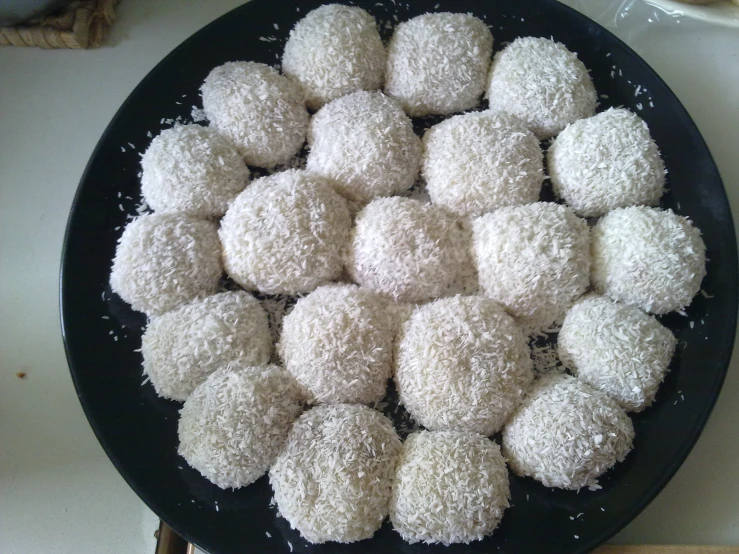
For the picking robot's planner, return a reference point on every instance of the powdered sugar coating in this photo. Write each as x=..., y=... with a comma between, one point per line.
x=647, y=257
x=605, y=162
x=182, y=347
x=450, y=487
x=333, y=479
x=337, y=342
x=285, y=234
x=408, y=250
x=334, y=50
x=462, y=364
x=259, y=110
x=533, y=259
x=477, y=162
x=566, y=434
x=541, y=82
x=617, y=349
x=192, y=169
x=437, y=63
x=365, y=143
x=165, y=260
x=234, y=424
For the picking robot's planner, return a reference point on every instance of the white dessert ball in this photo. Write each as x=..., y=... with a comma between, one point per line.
x=333, y=479
x=165, y=260
x=365, y=143
x=235, y=423
x=192, y=169
x=285, y=234
x=617, y=349
x=533, y=259
x=408, y=250
x=605, y=162
x=543, y=83
x=334, y=50
x=477, y=162
x=647, y=257
x=182, y=347
x=338, y=344
x=259, y=110
x=566, y=434
x=462, y=364
x=437, y=63
x=450, y=487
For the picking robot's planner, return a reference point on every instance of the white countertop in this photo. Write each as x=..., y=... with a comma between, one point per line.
x=58, y=491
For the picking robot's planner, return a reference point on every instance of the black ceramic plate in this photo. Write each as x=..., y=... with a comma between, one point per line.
x=139, y=430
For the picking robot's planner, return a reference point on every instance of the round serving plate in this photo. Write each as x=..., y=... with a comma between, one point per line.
x=139, y=430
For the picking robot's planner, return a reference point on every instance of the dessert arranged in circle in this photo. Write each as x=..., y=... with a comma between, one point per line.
x=429, y=260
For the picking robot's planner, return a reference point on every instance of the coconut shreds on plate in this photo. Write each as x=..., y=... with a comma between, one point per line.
x=337, y=342
x=648, y=257
x=334, y=50
x=333, y=479
x=616, y=348
x=450, y=487
x=462, y=364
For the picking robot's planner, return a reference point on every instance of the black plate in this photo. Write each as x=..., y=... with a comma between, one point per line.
x=138, y=430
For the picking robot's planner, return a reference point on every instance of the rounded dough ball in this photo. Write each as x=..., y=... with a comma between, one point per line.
x=366, y=145
x=408, y=250
x=337, y=342
x=462, y=364
x=235, y=423
x=259, y=110
x=617, y=349
x=192, y=169
x=605, y=162
x=285, y=234
x=477, y=162
x=541, y=82
x=647, y=257
x=334, y=50
x=333, y=479
x=437, y=63
x=566, y=434
x=165, y=260
x=182, y=347
x=450, y=487
x=534, y=260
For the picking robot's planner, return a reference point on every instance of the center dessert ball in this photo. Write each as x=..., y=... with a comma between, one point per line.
x=285, y=234
x=462, y=364
x=408, y=250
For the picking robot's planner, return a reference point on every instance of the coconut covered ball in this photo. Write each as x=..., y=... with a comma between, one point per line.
x=365, y=143
x=192, y=169
x=285, y=234
x=533, y=259
x=617, y=349
x=477, y=162
x=541, y=82
x=566, y=434
x=605, y=162
x=647, y=257
x=337, y=342
x=182, y=347
x=256, y=108
x=165, y=260
x=333, y=51
x=437, y=63
x=462, y=364
x=408, y=250
x=236, y=421
x=333, y=479
x=450, y=487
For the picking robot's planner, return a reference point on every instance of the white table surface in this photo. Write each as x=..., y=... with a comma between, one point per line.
x=58, y=491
